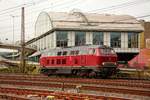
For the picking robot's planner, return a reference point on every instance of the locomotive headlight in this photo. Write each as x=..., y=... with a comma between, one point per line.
x=103, y=63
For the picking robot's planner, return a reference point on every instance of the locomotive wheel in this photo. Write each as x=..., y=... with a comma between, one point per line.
x=74, y=72
x=44, y=71
x=104, y=73
x=92, y=74
x=107, y=72
x=48, y=72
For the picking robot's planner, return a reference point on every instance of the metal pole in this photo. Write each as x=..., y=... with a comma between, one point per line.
x=13, y=33
x=22, y=61
x=13, y=28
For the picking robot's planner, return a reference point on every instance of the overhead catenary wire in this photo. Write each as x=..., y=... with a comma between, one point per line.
x=19, y=16
x=37, y=10
x=120, y=5
x=19, y=26
x=54, y=6
x=28, y=24
x=143, y=16
x=136, y=17
x=49, y=7
x=107, y=8
x=112, y=7
x=31, y=19
x=31, y=4
x=5, y=11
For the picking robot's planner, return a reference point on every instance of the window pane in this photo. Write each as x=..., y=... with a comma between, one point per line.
x=92, y=51
x=59, y=53
x=132, y=40
x=64, y=53
x=61, y=38
x=79, y=38
x=107, y=51
x=115, y=39
x=98, y=38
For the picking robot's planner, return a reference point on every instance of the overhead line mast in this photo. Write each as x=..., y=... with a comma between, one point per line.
x=22, y=61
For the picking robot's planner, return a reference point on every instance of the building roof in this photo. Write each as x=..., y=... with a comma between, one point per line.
x=93, y=21
x=53, y=21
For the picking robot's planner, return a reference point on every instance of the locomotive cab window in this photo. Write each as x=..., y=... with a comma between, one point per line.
x=72, y=53
x=52, y=53
x=49, y=54
x=77, y=52
x=64, y=53
x=92, y=51
x=107, y=51
x=83, y=52
x=59, y=53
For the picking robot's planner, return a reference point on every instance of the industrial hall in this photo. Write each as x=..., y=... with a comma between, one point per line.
x=63, y=29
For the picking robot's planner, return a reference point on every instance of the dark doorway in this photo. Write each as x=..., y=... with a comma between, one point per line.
x=126, y=56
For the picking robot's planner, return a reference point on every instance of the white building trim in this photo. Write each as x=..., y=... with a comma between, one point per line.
x=71, y=38
x=89, y=37
x=106, y=38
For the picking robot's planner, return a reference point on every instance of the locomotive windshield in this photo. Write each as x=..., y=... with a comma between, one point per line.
x=107, y=51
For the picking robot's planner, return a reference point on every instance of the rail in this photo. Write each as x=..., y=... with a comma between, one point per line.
x=127, y=87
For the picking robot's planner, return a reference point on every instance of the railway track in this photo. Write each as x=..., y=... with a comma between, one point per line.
x=131, y=87
x=4, y=96
x=26, y=94
x=141, y=92
x=114, y=82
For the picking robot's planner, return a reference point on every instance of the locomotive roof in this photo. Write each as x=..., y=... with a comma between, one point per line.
x=71, y=48
x=75, y=48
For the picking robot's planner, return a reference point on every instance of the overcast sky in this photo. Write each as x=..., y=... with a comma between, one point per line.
x=135, y=8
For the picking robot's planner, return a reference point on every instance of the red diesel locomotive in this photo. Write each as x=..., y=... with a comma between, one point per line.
x=89, y=61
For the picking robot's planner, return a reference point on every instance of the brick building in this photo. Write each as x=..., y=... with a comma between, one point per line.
x=145, y=36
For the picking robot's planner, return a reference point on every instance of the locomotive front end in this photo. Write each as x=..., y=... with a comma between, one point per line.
x=108, y=61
